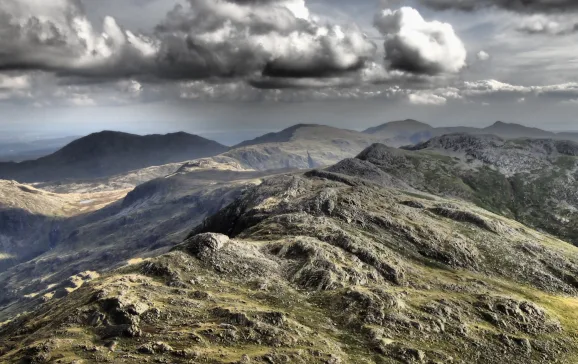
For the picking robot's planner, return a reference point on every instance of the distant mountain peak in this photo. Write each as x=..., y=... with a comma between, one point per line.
x=501, y=124
x=107, y=153
x=513, y=130
x=407, y=125
x=287, y=134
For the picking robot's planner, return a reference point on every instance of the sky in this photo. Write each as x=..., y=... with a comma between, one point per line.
x=233, y=69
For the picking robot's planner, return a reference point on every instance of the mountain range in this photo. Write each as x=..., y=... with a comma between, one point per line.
x=120, y=156
x=408, y=132
x=311, y=245
x=326, y=266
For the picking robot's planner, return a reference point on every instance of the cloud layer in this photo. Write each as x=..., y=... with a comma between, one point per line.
x=54, y=53
x=528, y=6
x=207, y=38
x=541, y=24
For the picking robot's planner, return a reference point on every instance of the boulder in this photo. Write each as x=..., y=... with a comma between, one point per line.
x=204, y=244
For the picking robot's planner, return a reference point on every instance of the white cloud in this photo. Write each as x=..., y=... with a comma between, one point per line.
x=426, y=98
x=18, y=82
x=484, y=87
x=542, y=24
x=482, y=56
x=415, y=45
x=81, y=100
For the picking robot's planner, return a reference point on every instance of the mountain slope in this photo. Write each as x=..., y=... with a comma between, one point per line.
x=41, y=249
x=324, y=268
x=531, y=180
x=513, y=131
x=300, y=146
x=30, y=218
x=394, y=128
x=108, y=153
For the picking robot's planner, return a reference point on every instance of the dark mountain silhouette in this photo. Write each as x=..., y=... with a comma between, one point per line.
x=108, y=153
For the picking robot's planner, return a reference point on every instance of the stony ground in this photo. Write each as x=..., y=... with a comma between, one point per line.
x=324, y=268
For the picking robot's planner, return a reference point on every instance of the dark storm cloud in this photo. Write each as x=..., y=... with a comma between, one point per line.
x=527, y=6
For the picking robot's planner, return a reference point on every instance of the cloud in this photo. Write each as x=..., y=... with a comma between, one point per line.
x=204, y=39
x=540, y=24
x=415, y=45
x=572, y=102
x=482, y=56
x=269, y=38
x=426, y=98
x=57, y=36
x=14, y=82
x=486, y=87
x=526, y=6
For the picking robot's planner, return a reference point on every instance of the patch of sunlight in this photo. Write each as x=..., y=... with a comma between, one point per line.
x=135, y=261
x=6, y=256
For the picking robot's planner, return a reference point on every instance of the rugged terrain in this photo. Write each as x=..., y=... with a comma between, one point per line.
x=530, y=180
x=41, y=251
x=409, y=132
x=110, y=153
x=323, y=268
x=398, y=255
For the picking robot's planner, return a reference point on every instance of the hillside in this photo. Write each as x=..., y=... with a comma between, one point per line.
x=323, y=268
x=109, y=153
x=530, y=180
x=301, y=146
x=30, y=219
x=399, y=128
x=41, y=248
x=513, y=131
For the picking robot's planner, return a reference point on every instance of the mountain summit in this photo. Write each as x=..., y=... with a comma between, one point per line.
x=108, y=153
x=512, y=130
x=394, y=128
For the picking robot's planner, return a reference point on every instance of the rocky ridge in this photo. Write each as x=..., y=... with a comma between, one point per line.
x=530, y=180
